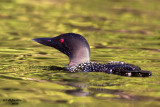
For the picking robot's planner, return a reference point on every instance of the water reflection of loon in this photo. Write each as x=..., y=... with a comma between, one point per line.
x=77, y=49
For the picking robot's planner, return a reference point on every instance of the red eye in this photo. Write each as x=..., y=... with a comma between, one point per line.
x=61, y=40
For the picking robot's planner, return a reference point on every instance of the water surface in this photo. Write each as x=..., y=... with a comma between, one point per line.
x=117, y=30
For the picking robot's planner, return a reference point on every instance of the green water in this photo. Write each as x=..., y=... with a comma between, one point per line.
x=117, y=30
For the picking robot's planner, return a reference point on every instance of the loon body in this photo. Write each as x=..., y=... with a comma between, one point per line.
x=77, y=49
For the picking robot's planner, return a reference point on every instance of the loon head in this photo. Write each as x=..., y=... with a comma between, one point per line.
x=73, y=45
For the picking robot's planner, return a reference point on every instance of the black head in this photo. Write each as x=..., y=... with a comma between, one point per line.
x=73, y=45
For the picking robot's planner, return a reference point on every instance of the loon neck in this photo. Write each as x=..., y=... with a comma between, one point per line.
x=81, y=55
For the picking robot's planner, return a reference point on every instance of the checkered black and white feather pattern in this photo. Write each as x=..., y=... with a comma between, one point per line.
x=114, y=67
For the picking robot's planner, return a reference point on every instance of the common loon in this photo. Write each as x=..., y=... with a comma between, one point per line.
x=77, y=49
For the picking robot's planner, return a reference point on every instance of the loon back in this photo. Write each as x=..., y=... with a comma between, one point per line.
x=73, y=45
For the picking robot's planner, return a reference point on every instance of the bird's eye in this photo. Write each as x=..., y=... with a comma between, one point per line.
x=61, y=40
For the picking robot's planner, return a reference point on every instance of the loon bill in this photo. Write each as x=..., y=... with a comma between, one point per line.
x=77, y=49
